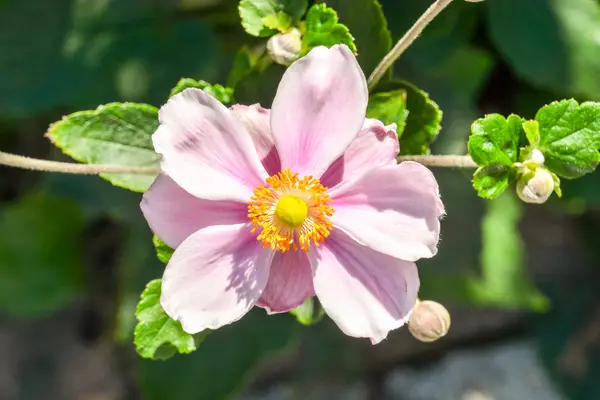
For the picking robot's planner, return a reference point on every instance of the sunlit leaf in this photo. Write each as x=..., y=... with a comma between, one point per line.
x=323, y=29
x=156, y=335
x=570, y=137
x=117, y=133
x=265, y=17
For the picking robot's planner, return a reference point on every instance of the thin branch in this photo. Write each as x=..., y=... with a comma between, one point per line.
x=13, y=160
x=442, y=161
x=404, y=43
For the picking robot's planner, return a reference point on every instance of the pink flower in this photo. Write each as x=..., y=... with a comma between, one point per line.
x=270, y=207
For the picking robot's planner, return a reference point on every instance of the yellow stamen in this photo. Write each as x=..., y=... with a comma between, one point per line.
x=292, y=213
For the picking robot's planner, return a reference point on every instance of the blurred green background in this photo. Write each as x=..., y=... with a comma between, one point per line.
x=75, y=252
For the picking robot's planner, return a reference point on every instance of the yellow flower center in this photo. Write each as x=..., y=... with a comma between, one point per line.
x=291, y=213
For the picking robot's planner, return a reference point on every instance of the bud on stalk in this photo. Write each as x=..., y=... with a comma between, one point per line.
x=284, y=48
x=535, y=187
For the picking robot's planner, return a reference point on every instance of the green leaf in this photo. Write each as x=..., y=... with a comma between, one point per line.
x=156, y=335
x=570, y=137
x=505, y=282
x=494, y=146
x=163, y=252
x=369, y=28
x=223, y=94
x=263, y=17
x=557, y=188
x=280, y=22
x=491, y=181
x=532, y=131
x=223, y=364
x=243, y=64
x=323, y=29
x=423, y=122
x=390, y=108
x=117, y=133
x=495, y=140
x=551, y=44
x=309, y=313
x=41, y=266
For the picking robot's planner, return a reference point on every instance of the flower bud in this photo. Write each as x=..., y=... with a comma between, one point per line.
x=537, y=157
x=284, y=48
x=535, y=187
x=429, y=321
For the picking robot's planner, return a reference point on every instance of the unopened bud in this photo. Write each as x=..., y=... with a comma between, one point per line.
x=284, y=48
x=429, y=321
x=535, y=187
x=537, y=157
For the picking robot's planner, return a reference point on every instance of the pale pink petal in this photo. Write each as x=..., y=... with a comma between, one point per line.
x=174, y=214
x=375, y=145
x=205, y=149
x=393, y=209
x=319, y=108
x=290, y=282
x=257, y=122
x=215, y=277
x=366, y=293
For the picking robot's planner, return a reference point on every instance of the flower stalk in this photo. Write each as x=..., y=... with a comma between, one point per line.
x=404, y=43
x=36, y=164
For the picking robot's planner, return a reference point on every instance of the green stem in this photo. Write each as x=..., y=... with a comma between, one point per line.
x=404, y=43
x=13, y=160
x=450, y=161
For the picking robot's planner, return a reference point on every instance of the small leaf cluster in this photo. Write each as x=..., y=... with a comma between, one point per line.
x=264, y=18
x=418, y=118
x=565, y=133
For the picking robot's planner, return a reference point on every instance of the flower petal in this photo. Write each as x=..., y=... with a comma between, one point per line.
x=290, y=282
x=319, y=108
x=258, y=123
x=174, y=214
x=366, y=293
x=393, y=209
x=205, y=149
x=215, y=277
x=375, y=145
